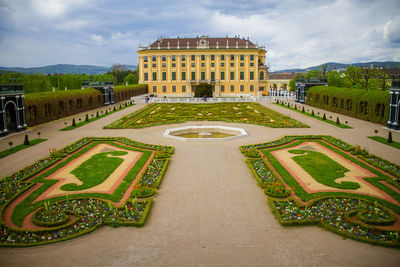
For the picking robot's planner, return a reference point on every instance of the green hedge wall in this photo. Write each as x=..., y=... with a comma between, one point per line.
x=48, y=106
x=124, y=92
x=370, y=105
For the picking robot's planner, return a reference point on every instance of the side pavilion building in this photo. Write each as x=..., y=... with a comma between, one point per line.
x=174, y=66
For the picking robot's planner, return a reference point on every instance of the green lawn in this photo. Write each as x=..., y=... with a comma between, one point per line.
x=322, y=168
x=253, y=113
x=384, y=141
x=95, y=118
x=95, y=170
x=15, y=149
x=340, y=125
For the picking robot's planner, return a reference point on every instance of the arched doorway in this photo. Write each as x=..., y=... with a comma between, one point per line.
x=11, y=116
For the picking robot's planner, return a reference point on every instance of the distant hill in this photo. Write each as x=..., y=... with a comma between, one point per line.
x=64, y=68
x=342, y=66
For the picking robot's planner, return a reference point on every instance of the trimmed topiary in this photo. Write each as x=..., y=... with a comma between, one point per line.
x=87, y=117
x=390, y=140
x=303, y=110
x=337, y=120
x=324, y=117
x=73, y=122
x=26, y=140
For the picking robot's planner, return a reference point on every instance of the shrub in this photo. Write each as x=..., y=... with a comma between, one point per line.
x=125, y=92
x=97, y=114
x=26, y=140
x=390, y=140
x=312, y=113
x=337, y=120
x=370, y=105
x=47, y=106
x=303, y=110
x=87, y=117
x=324, y=117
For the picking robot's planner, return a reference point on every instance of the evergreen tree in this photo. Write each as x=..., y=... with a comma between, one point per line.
x=26, y=140
x=73, y=122
x=337, y=120
x=87, y=117
x=324, y=117
x=390, y=140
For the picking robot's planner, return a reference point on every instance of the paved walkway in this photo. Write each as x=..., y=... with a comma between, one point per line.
x=209, y=211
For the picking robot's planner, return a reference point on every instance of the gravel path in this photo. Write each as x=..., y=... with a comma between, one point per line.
x=209, y=211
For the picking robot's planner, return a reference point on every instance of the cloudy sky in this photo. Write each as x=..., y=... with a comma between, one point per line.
x=297, y=34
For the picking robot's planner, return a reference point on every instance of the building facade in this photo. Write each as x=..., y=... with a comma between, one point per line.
x=280, y=81
x=12, y=108
x=174, y=66
x=394, y=112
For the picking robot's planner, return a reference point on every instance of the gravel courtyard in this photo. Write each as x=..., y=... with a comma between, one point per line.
x=209, y=210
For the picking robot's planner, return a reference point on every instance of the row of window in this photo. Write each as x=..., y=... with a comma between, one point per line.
x=222, y=88
x=193, y=57
x=212, y=64
x=202, y=75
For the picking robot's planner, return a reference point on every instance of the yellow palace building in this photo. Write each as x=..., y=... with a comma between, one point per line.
x=174, y=66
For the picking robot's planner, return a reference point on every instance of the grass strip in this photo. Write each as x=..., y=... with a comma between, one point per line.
x=79, y=124
x=340, y=125
x=13, y=150
x=384, y=141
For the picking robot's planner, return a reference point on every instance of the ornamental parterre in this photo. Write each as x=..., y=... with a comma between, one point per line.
x=366, y=213
x=252, y=113
x=36, y=211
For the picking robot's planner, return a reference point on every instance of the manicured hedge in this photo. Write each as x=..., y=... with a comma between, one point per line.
x=370, y=105
x=124, y=92
x=48, y=106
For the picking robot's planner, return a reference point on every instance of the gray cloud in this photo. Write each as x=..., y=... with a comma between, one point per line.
x=296, y=33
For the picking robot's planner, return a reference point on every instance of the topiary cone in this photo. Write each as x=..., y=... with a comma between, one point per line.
x=26, y=140
x=390, y=140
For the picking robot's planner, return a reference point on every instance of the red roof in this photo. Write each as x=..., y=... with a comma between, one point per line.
x=202, y=42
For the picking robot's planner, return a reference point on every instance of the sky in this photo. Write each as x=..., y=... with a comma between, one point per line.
x=296, y=34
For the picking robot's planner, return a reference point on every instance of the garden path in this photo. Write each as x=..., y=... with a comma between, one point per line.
x=209, y=210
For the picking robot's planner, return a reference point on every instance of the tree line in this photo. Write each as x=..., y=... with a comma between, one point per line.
x=353, y=77
x=34, y=83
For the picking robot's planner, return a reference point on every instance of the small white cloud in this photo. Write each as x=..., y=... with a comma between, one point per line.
x=117, y=36
x=97, y=38
x=392, y=30
x=55, y=8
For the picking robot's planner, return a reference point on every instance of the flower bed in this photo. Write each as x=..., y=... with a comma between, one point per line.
x=357, y=216
x=65, y=217
x=333, y=214
x=157, y=114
